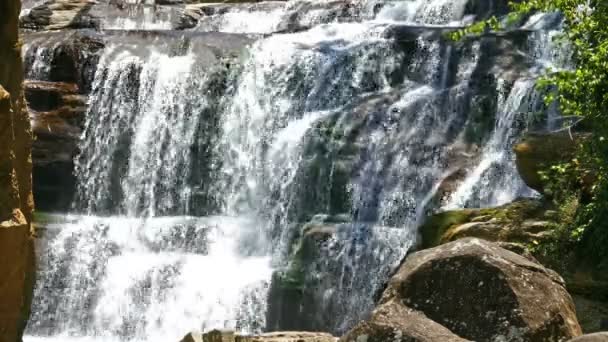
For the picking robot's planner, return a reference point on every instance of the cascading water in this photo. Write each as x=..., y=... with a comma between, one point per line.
x=495, y=180
x=197, y=169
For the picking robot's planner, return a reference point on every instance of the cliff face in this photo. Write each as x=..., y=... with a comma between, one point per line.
x=17, y=263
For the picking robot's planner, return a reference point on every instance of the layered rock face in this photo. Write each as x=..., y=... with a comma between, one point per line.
x=16, y=201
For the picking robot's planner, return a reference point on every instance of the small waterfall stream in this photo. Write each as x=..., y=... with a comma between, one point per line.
x=204, y=151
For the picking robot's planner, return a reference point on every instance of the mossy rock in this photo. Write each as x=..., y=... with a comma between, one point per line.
x=526, y=221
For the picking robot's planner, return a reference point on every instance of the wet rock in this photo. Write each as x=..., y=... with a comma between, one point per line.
x=66, y=56
x=392, y=321
x=482, y=292
x=57, y=113
x=524, y=221
x=328, y=255
x=597, y=337
x=60, y=14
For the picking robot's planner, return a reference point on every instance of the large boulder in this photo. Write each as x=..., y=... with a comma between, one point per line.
x=483, y=292
x=392, y=321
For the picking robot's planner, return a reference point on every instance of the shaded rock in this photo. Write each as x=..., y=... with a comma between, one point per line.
x=592, y=313
x=392, y=321
x=527, y=221
x=57, y=114
x=539, y=151
x=330, y=255
x=597, y=337
x=483, y=292
x=193, y=337
x=65, y=56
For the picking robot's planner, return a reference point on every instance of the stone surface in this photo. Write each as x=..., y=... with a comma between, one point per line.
x=289, y=336
x=524, y=221
x=592, y=313
x=63, y=56
x=484, y=293
x=280, y=336
x=57, y=112
x=597, y=337
x=60, y=14
x=17, y=262
x=394, y=322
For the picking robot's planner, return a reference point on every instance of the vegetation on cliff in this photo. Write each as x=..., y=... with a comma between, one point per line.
x=578, y=186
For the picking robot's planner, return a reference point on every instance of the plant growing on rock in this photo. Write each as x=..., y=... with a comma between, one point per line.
x=582, y=94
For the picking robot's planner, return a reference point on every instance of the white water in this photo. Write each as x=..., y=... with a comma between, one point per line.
x=495, y=180
x=151, y=279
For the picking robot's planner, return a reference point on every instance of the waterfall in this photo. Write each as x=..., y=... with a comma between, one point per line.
x=495, y=180
x=206, y=151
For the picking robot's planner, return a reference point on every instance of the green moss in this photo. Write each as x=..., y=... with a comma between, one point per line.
x=512, y=214
x=435, y=226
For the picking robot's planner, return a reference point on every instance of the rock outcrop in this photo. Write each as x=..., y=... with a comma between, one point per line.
x=524, y=221
x=57, y=112
x=16, y=201
x=392, y=321
x=482, y=292
x=59, y=70
x=230, y=336
x=597, y=337
x=60, y=14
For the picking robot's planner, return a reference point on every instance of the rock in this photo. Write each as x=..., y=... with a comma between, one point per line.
x=329, y=255
x=69, y=57
x=483, y=292
x=597, y=337
x=57, y=112
x=17, y=257
x=17, y=266
x=392, y=321
x=289, y=336
x=592, y=313
x=60, y=14
x=539, y=151
x=193, y=337
x=524, y=221
x=230, y=336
